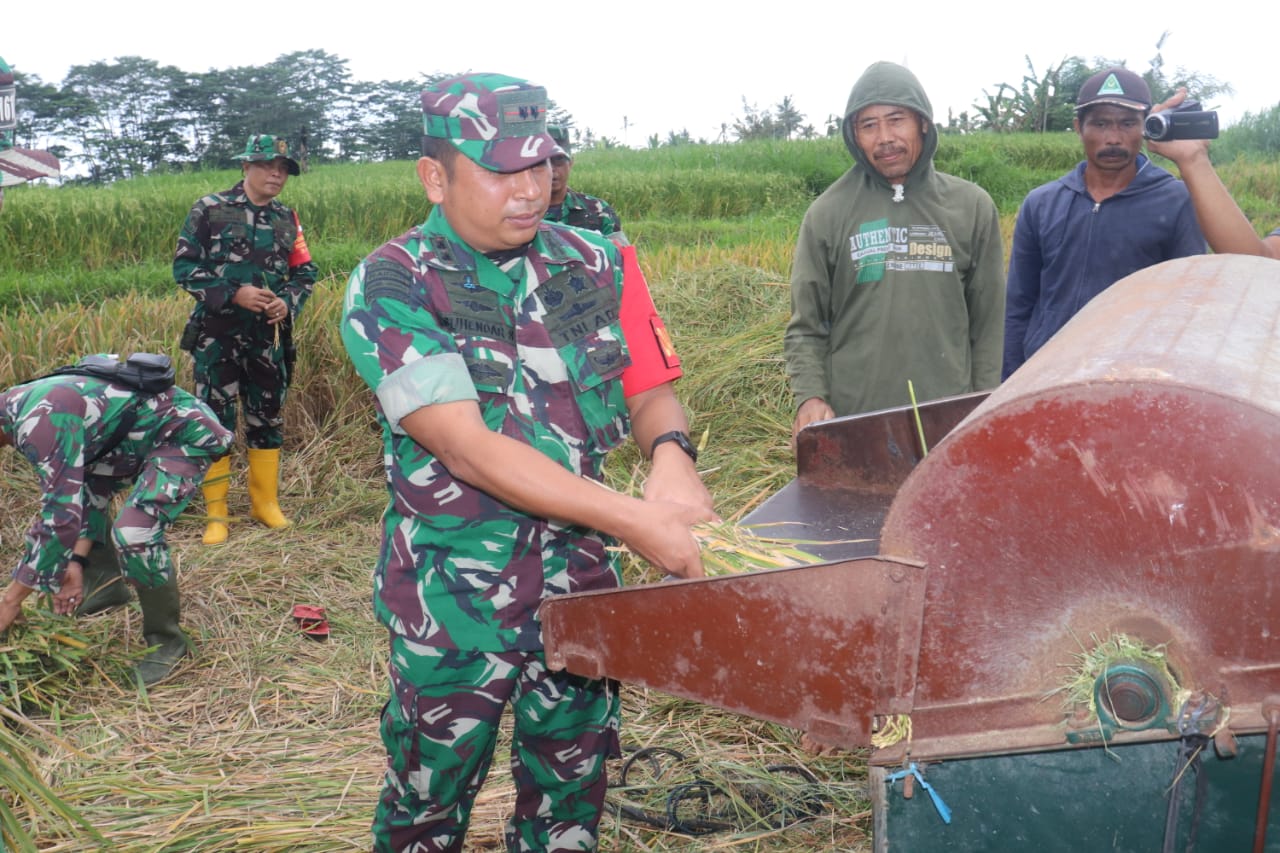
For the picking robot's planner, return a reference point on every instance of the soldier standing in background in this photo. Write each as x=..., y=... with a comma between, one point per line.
x=574, y=208
x=242, y=255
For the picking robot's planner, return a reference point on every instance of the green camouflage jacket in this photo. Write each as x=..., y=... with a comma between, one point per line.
x=585, y=211
x=226, y=241
x=538, y=344
x=63, y=424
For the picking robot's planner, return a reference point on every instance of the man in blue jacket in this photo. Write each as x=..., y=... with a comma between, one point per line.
x=1114, y=214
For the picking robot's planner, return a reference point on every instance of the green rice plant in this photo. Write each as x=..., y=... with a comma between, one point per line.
x=40, y=660
x=25, y=797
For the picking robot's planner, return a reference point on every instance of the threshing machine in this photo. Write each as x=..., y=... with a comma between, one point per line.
x=1064, y=595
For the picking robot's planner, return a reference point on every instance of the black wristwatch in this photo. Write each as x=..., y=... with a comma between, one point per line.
x=682, y=441
x=81, y=561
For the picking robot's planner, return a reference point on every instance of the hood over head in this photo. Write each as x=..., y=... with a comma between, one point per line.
x=890, y=83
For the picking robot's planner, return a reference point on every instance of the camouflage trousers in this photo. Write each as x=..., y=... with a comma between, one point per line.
x=237, y=360
x=440, y=728
x=163, y=488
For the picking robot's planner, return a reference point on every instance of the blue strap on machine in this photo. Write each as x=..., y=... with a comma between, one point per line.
x=912, y=770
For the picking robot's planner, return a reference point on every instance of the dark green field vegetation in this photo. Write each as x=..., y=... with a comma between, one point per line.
x=87, y=243
x=83, y=243
x=268, y=742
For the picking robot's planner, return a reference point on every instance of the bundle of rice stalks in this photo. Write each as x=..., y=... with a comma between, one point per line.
x=893, y=730
x=39, y=660
x=731, y=549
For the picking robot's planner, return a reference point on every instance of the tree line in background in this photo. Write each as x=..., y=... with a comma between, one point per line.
x=133, y=116
x=1038, y=103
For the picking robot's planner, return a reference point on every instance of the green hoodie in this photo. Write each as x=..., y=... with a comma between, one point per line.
x=886, y=291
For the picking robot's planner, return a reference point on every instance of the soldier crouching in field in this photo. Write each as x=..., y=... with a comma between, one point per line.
x=242, y=255
x=508, y=356
x=88, y=438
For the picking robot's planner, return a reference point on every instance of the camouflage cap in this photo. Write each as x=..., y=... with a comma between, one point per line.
x=560, y=134
x=265, y=146
x=497, y=121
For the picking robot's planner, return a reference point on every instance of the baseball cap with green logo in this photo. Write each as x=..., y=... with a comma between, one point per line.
x=266, y=146
x=1117, y=86
x=497, y=121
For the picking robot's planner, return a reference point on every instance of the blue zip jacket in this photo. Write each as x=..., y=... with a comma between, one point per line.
x=1067, y=249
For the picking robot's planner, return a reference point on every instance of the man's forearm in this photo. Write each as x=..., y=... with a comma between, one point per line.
x=512, y=472
x=1224, y=224
x=653, y=413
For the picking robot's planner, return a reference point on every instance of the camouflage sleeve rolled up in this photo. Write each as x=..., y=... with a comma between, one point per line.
x=65, y=426
x=395, y=342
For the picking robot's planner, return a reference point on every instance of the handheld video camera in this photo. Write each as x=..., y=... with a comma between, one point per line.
x=1186, y=121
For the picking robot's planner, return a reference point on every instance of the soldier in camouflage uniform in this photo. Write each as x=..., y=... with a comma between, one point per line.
x=574, y=208
x=242, y=255
x=88, y=439
x=507, y=358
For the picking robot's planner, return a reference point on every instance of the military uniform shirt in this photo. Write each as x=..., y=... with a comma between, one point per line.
x=538, y=345
x=61, y=422
x=227, y=241
x=585, y=211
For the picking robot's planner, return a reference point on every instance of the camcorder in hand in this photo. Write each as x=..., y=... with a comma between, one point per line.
x=1186, y=121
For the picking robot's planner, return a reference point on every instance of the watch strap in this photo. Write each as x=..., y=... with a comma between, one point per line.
x=681, y=439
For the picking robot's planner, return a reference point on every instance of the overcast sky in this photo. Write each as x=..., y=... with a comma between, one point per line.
x=631, y=69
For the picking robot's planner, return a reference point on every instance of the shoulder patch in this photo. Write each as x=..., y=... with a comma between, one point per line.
x=385, y=279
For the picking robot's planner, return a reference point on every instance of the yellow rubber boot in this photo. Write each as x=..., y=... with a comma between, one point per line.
x=217, y=482
x=264, y=484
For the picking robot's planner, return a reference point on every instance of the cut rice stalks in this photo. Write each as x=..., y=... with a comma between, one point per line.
x=893, y=730
x=39, y=659
x=731, y=549
x=1078, y=689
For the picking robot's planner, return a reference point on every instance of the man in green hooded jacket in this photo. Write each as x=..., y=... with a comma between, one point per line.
x=898, y=274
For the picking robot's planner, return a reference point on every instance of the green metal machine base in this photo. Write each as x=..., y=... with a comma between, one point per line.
x=1089, y=799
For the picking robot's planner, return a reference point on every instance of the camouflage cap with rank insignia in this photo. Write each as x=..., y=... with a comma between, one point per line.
x=497, y=121
x=265, y=146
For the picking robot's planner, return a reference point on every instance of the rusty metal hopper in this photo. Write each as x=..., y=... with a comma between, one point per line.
x=1125, y=480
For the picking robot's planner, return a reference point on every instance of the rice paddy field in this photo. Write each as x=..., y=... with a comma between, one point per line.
x=267, y=741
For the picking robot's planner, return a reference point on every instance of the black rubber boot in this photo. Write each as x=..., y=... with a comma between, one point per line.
x=104, y=586
x=160, y=610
